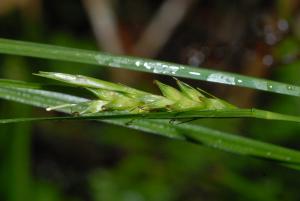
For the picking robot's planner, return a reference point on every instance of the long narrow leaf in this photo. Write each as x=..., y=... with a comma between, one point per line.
x=192, y=133
x=146, y=65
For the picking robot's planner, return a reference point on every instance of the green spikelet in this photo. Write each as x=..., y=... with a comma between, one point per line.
x=118, y=97
x=189, y=91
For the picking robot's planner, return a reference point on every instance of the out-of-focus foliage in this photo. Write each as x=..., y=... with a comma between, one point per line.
x=79, y=161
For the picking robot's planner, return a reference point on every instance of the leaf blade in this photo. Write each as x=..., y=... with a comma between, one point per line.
x=145, y=65
x=195, y=134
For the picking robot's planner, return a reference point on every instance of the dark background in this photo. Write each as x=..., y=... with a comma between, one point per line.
x=75, y=161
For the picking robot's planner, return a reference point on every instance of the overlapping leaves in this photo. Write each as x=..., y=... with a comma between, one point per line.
x=34, y=95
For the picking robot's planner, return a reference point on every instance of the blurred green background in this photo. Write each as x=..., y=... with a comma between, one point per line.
x=74, y=161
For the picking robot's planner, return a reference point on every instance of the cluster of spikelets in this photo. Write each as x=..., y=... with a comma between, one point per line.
x=118, y=97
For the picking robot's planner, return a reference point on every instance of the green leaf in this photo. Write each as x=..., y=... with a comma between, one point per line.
x=146, y=65
x=192, y=133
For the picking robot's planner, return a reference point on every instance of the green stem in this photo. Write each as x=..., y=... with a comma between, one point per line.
x=235, y=113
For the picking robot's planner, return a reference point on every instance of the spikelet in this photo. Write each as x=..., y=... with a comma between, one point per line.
x=118, y=97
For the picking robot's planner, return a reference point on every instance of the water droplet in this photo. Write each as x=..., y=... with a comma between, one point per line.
x=156, y=67
x=289, y=87
x=138, y=63
x=147, y=65
x=221, y=78
x=194, y=73
x=270, y=86
x=240, y=81
x=269, y=153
